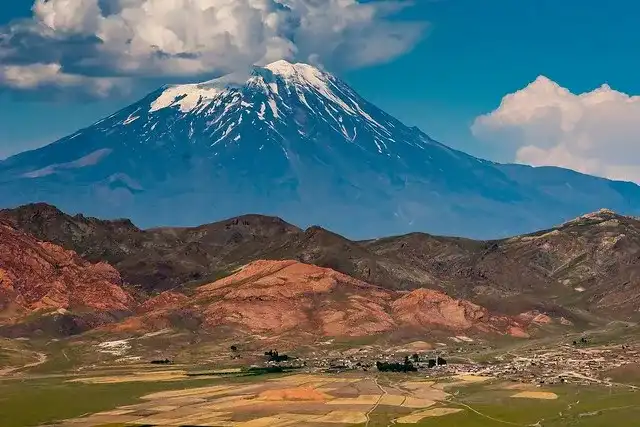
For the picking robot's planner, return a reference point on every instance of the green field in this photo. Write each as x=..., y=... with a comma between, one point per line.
x=484, y=406
x=34, y=402
x=36, y=399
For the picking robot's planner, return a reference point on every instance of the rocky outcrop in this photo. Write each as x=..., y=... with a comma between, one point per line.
x=583, y=271
x=432, y=309
x=160, y=259
x=280, y=296
x=165, y=300
x=41, y=277
x=428, y=307
x=288, y=297
x=536, y=317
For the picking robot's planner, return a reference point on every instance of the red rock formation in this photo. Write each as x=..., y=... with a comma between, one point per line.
x=424, y=307
x=282, y=296
x=165, y=300
x=433, y=309
x=41, y=276
x=277, y=297
x=535, y=317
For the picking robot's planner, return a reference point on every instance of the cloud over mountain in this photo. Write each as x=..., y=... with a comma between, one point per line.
x=75, y=42
x=51, y=77
x=594, y=132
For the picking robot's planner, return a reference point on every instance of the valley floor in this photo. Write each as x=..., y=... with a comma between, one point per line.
x=347, y=399
x=545, y=382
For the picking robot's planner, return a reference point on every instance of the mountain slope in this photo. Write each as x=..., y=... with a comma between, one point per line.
x=45, y=289
x=274, y=298
x=589, y=263
x=156, y=259
x=39, y=281
x=165, y=258
x=292, y=141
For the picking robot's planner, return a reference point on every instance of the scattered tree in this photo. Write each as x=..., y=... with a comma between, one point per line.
x=406, y=366
x=582, y=341
x=273, y=356
x=438, y=361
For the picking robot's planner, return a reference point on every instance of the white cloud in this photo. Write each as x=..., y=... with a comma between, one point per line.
x=40, y=76
x=74, y=16
x=596, y=132
x=169, y=38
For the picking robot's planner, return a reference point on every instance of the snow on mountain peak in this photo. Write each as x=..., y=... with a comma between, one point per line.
x=283, y=99
x=187, y=97
x=297, y=71
x=190, y=96
x=306, y=75
x=282, y=66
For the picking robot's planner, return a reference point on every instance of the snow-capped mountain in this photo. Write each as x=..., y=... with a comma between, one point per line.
x=293, y=141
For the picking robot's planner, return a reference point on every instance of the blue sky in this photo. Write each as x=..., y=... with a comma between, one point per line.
x=473, y=54
x=480, y=50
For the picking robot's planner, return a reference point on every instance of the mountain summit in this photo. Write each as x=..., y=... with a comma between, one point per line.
x=293, y=141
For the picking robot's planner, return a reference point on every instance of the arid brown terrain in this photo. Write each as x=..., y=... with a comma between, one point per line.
x=43, y=278
x=158, y=259
x=46, y=288
x=288, y=297
x=590, y=264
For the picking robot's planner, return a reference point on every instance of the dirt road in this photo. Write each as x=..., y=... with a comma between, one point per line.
x=42, y=358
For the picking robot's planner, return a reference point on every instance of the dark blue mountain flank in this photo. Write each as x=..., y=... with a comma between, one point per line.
x=293, y=141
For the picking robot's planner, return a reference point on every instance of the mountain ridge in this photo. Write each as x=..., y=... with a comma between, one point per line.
x=583, y=268
x=48, y=290
x=289, y=297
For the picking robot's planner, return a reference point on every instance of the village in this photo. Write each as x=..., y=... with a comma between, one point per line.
x=563, y=364
x=576, y=363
